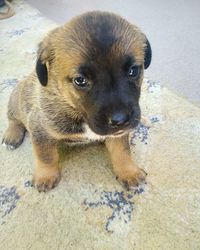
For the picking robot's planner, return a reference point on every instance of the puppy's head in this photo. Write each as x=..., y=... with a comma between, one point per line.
x=95, y=63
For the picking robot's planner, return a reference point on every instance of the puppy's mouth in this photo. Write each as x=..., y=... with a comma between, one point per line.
x=126, y=129
x=120, y=133
x=114, y=132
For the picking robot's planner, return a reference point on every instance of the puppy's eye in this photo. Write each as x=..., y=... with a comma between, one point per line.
x=133, y=71
x=80, y=82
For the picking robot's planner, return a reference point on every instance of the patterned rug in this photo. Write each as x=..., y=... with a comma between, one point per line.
x=89, y=209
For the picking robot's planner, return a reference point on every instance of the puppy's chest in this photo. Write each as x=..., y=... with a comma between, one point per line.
x=84, y=137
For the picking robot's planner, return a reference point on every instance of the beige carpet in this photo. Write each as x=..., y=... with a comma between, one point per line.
x=90, y=209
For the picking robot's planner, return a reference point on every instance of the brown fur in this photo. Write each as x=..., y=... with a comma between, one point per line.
x=123, y=164
x=47, y=173
x=43, y=110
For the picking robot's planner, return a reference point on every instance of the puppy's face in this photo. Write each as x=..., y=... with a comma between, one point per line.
x=96, y=64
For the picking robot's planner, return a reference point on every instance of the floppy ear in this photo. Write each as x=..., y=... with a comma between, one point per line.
x=42, y=73
x=42, y=59
x=147, y=55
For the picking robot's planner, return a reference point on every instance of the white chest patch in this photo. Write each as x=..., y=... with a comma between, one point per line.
x=90, y=135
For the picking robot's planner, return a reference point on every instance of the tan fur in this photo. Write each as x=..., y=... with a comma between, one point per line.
x=30, y=102
x=123, y=164
x=47, y=173
x=15, y=132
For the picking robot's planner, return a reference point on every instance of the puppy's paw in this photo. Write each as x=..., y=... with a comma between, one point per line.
x=134, y=179
x=44, y=182
x=13, y=137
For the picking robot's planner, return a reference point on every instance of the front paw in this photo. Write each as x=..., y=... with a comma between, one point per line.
x=46, y=180
x=134, y=178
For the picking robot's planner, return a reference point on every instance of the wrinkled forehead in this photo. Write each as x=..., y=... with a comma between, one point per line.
x=87, y=64
x=99, y=58
x=101, y=47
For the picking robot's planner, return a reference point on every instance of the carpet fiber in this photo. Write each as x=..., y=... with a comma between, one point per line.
x=89, y=209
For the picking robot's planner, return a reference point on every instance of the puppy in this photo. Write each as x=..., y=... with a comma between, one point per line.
x=86, y=87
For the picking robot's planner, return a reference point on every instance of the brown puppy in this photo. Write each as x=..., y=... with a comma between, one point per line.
x=86, y=87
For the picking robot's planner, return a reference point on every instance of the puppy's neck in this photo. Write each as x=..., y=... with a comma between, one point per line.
x=90, y=135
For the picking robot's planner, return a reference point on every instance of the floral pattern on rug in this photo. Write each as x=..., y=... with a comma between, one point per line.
x=8, y=201
x=120, y=203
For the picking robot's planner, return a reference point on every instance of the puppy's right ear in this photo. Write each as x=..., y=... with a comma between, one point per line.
x=42, y=59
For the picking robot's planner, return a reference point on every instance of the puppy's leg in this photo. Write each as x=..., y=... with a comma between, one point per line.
x=14, y=134
x=123, y=164
x=47, y=174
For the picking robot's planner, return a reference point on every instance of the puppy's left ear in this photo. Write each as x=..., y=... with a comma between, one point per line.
x=42, y=60
x=42, y=73
x=147, y=54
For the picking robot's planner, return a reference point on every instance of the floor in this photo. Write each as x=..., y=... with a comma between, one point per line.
x=171, y=26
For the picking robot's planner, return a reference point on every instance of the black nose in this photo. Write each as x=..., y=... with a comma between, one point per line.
x=118, y=119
